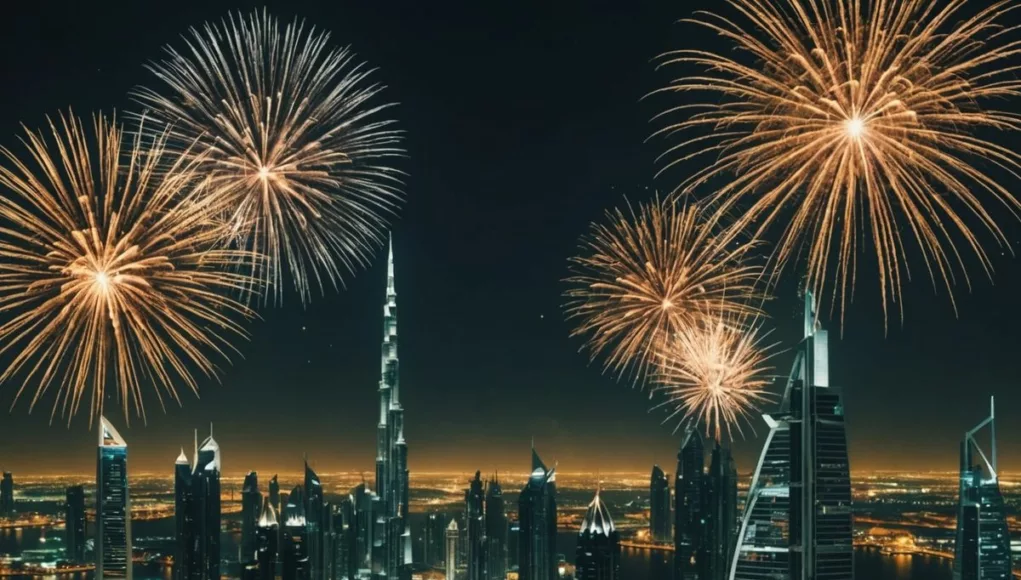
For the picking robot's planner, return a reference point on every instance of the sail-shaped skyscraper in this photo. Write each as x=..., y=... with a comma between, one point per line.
x=797, y=518
x=392, y=549
x=982, y=546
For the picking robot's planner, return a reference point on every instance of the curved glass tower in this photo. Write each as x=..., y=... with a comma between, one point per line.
x=982, y=545
x=797, y=519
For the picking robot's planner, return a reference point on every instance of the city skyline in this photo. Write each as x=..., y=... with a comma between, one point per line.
x=460, y=262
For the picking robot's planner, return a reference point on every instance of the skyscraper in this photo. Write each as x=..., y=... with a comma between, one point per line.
x=720, y=515
x=659, y=506
x=294, y=559
x=598, y=553
x=496, y=532
x=182, y=518
x=7, y=495
x=982, y=545
x=797, y=519
x=394, y=539
x=74, y=525
x=451, y=560
x=314, y=524
x=537, y=518
x=688, y=523
x=113, y=505
x=474, y=521
x=251, y=508
x=435, y=540
x=203, y=512
x=266, y=535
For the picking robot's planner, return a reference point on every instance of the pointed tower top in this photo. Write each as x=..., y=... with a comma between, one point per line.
x=268, y=518
x=182, y=459
x=452, y=526
x=108, y=435
x=597, y=518
x=538, y=467
x=390, y=267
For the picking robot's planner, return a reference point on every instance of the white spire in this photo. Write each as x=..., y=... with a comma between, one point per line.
x=182, y=459
x=597, y=518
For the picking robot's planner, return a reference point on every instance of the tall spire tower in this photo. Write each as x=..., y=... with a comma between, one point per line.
x=391, y=448
x=797, y=522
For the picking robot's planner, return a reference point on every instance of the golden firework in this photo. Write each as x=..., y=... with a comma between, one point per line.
x=110, y=273
x=715, y=373
x=853, y=123
x=296, y=147
x=644, y=275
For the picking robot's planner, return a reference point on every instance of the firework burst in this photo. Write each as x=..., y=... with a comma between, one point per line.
x=715, y=374
x=110, y=273
x=853, y=123
x=298, y=151
x=644, y=275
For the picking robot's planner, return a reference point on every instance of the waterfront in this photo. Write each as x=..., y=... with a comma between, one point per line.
x=636, y=564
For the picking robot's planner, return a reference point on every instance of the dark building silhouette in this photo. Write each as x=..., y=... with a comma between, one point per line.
x=314, y=519
x=251, y=508
x=266, y=535
x=7, y=495
x=294, y=559
x=689, y=529
x=797, y=522
x=598, y=553
x=659, y=506
x=435, y=540
x=198, y=520
x=113, y=505
x=513, y=546
x=982, y=543
x=537, y=520
x=392, y=542
x=474, y=519
x=720, y=515
x=183, y=526
x=496, y=532
x=74, y=524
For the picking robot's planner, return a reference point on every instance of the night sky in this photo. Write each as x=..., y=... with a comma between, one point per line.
x=525, y=121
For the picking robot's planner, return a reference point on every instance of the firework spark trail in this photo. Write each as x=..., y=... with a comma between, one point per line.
x=298, y=151
x=715, y=373
x=641, y=276
x=852, y=123
x=110, y=269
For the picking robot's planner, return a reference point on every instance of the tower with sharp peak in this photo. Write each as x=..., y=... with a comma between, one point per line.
x=392, y=553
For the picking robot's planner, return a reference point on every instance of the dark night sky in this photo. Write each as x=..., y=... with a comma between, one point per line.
x=525, y=122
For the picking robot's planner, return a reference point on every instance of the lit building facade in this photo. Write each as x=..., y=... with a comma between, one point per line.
x=74, y=524
x=113, y=505
x=496, y=532
x=797, y=522
x=598, y=552
x=452, y=537
x=537, y=521
x=659, y=506
x=982, y=543
x=689, y=528
x=391, y=557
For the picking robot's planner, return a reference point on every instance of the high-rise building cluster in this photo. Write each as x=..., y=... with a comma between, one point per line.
x=483, y=536
x=705, y=510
